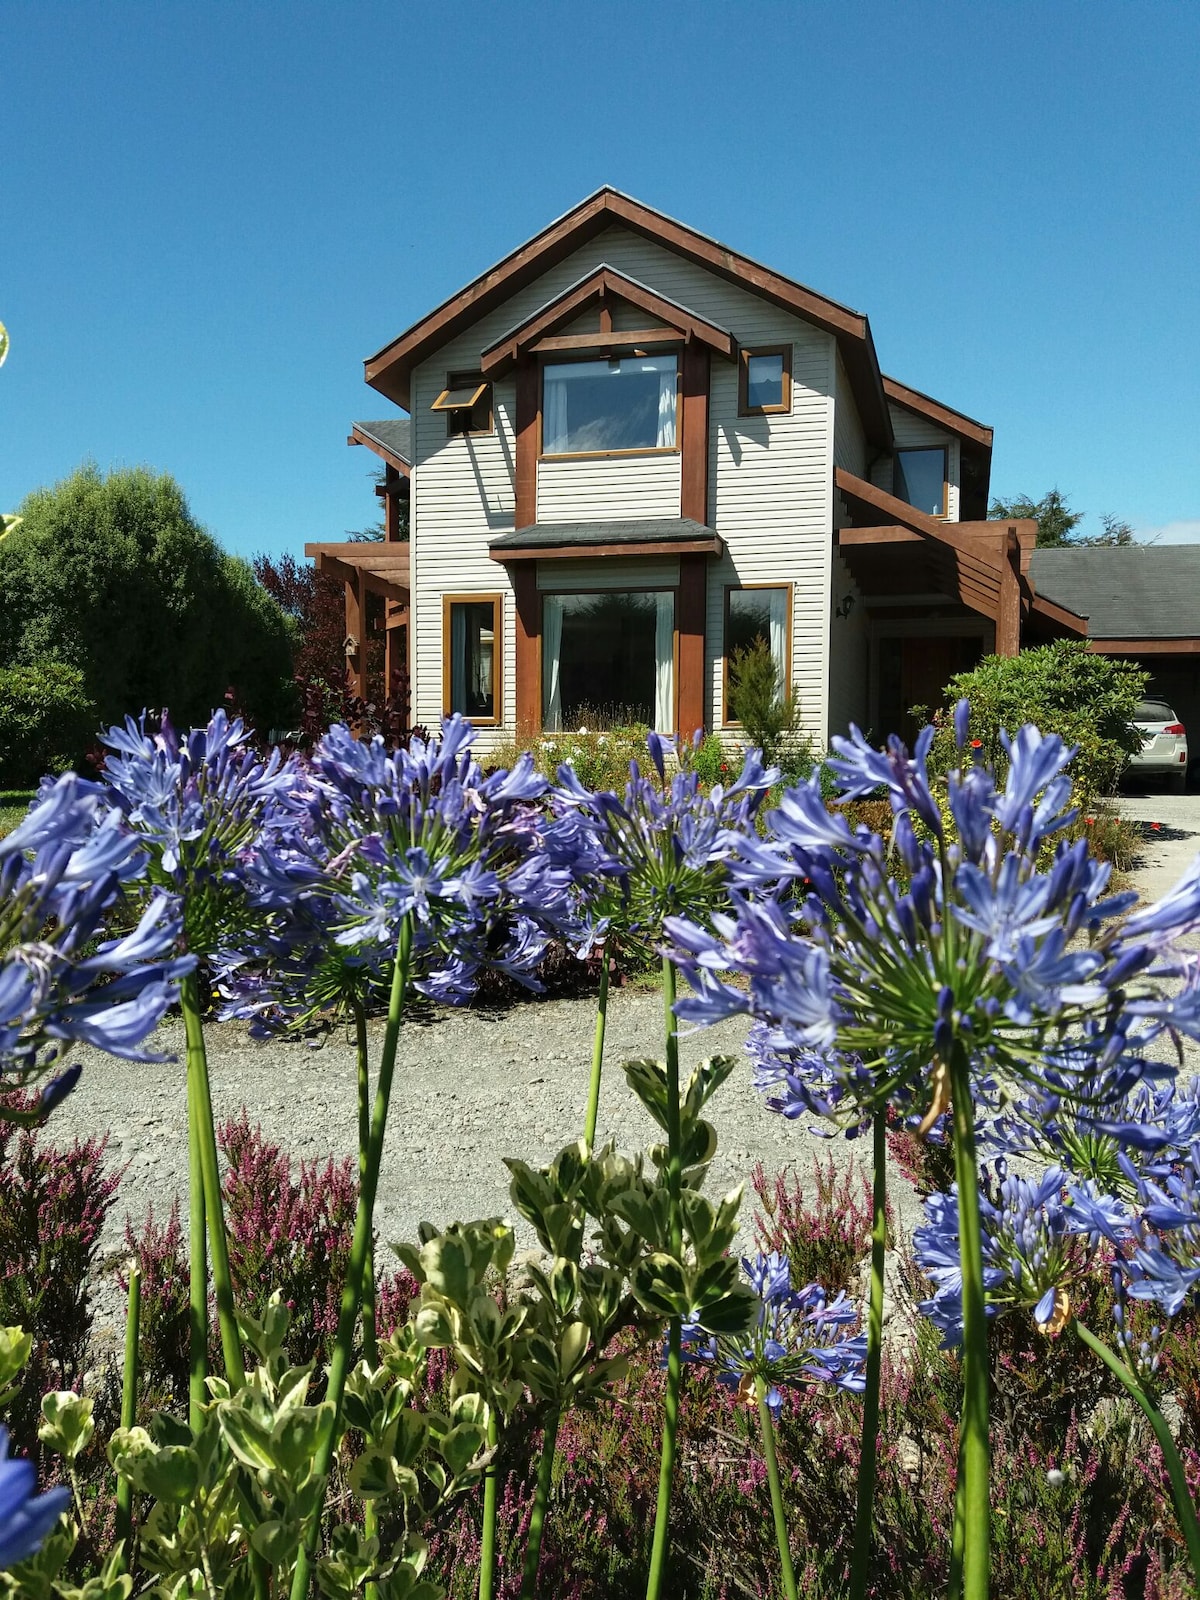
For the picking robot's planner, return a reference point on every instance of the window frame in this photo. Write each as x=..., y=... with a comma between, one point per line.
x=927, y=449
x=789, y=589
x=745, y=409
x=497, y=603
x=465, y=430
x=629, y=588
x=577, y=359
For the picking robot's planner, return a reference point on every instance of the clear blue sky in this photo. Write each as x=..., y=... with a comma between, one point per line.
x=212, y=213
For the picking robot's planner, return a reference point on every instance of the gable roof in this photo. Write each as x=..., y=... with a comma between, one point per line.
x=924, y=405
x=1125, y=592
x=390, y=438
x=390, y=370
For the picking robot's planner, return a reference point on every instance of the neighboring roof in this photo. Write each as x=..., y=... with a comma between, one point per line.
x=391, y=439
x=1125, y=592
x=390, y=370
x=672, y=532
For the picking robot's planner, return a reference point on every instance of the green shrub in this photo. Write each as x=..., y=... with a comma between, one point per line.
x=600, y=756
x=47, y=721
x=1062, y=688
x=768, y=712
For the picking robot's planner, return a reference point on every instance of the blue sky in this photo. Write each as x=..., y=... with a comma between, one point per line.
x=213, y=213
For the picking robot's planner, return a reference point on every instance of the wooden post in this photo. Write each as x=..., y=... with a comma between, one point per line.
x=525, y=481
x=356, y=623
x=1008, y=619
x=692, y=602
x=391, y=504
x=527, y=604
x=694, y=431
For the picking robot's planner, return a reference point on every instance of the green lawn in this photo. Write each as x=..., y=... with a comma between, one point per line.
x=13, y=805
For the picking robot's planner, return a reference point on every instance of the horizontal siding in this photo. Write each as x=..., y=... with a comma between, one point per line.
x=607, y=488
x=912, y=433
x=849, y=444
x=614, y=572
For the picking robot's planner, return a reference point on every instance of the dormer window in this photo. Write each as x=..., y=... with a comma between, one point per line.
x=765, y=382
x=608, y=407
x=919, y=478
x=467, y=402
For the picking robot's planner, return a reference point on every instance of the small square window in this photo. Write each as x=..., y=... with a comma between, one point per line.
x=467, y=403
x=471, y=656
x=765, y=382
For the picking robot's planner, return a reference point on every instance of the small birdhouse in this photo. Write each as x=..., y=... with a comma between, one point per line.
x=351, y=645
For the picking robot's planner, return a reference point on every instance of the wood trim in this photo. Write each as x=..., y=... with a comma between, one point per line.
x=528, y=416
x=527, y=604
x=1145, y=647
x=726, y=720
x=898, y=512
x=1008, y=616
x=601, y=344
x=584, y=552
x=745, y=409
x=1070, y=620
x=691, y=607
x=497, y=603
x=460, y=380
x=922, y=405
x=693, y=432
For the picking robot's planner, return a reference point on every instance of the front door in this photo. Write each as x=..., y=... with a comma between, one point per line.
x=914, y=672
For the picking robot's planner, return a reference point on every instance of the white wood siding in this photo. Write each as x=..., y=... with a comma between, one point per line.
x=914, y=433
x=607, y=488
x=770, y=505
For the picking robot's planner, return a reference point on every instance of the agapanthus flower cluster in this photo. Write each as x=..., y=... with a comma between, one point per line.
x=26, y=1517
x=1041, y=1238
x=63, y=870
x=1165, y=1265
x=662, y=848
x=799, y=1337
x=988, y=933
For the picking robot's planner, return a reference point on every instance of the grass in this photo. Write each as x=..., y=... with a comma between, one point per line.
x=13, y=805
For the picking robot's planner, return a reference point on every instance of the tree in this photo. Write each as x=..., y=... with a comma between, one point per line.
x=114, y=576
x=1057, y=522
x=315, y=603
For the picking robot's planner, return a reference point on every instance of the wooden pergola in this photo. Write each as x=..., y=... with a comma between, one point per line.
x=363, y=569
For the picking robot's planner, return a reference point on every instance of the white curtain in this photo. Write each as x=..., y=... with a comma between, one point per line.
x=458, y=659
x=667, y=384
x=552, y=626
x=554, y=412
x=664, y=662
x=779, y=602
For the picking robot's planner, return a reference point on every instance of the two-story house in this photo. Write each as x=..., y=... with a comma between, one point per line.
x=628, y=451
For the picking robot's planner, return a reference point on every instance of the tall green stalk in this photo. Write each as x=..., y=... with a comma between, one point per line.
x=369, y=1330
x=958, y=1535
x=129, y=1386
x=200, y=1109
x=364, y=1223
x=537, y=1517
x=197, y=1263
x=487, y=1544
x=666, y=1473
x=973, y=1447
x=860, y=1571
x=593, y=1107
x=1184, y=1505
x=786, y=1570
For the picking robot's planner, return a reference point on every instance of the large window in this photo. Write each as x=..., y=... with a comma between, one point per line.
x=608, y=658
x=758, y=614
x=594, y=407
x=471, y=656
x=919, y=477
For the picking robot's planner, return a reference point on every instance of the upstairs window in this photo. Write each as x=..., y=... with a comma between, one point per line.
x=601, y=407
x=919, y=478
x=471, y=656
x=765, y=382
x=467, y=402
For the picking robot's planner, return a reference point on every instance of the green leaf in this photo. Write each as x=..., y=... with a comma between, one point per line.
x=16, y=1347
x=249, y=1439
x=277, y=1542
x=447, y=1265
x=704, y=1082
x=660, y=1285
x=68, y=1425
x=460, y=1447
x=648, y=1080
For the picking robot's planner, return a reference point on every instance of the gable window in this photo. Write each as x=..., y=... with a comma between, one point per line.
x=471, y=656
x=919, y=478
x=762, y=612
x=609, y=657
x=467, y=402
x=765, y=381
x=599, y=407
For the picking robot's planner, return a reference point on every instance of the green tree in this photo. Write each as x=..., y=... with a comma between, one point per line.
x=115, y=577
x=769, y=714
x=1057, y=522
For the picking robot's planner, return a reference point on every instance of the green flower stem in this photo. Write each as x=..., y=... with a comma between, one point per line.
x=206, y=1133
x=666, y=1473
x=860, y=1571
x=787, y=1571
x=197, y=1262
x=593, y=1108
x=974, y=1454
x=129, y=1387
x=487, y=1546
x=1184, y=1504
x=369, y=1330
x=958, y=1534
x=537, y=1517
x=343, y=1348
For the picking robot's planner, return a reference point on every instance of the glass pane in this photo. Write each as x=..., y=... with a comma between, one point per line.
x=920, y=479
x=759, y=614
x=590, y=406
x=473, y=658
x=764, y=380
x=607, y=659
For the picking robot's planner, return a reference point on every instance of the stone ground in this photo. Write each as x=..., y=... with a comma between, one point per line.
x=473, y=1086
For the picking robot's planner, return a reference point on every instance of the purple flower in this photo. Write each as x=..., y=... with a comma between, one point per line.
x=26, y=1517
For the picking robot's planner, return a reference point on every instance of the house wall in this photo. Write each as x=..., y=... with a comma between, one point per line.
x=913, y=433
x=770, y=478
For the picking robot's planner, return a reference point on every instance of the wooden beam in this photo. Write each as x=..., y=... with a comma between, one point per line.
x=356, y=619
x=1145, y=647
x=694, y=432
x=1071, y=621
x=601, y=343
x=577, y=552
x=1008, y=616
x=525, y=478
x=692, y=602
x=934, y=411
x=527, y=603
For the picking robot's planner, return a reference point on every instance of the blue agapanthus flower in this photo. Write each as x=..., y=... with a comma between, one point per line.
x=26, y=1517
x=63, y=872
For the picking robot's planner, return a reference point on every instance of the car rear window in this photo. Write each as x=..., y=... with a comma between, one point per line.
x=1153, y=711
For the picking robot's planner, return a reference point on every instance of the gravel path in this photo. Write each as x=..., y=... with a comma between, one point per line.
x=471, y=1087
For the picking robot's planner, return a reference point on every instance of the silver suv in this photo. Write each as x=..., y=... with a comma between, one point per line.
x=1164, y=752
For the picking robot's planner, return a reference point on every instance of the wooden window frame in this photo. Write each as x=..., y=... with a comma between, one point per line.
x=745, y=409
x=606, y=455
x=630, y=588
x=454, y=428
x=730, y=588
x=912, y=449
x=497, y=602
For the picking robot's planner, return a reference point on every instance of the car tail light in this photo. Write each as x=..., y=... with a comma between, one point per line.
x=1175, y=727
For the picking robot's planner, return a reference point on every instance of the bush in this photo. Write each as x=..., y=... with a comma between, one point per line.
x=768, y=711
x=1062, y=688
x=600, y=756
x=47, y=721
